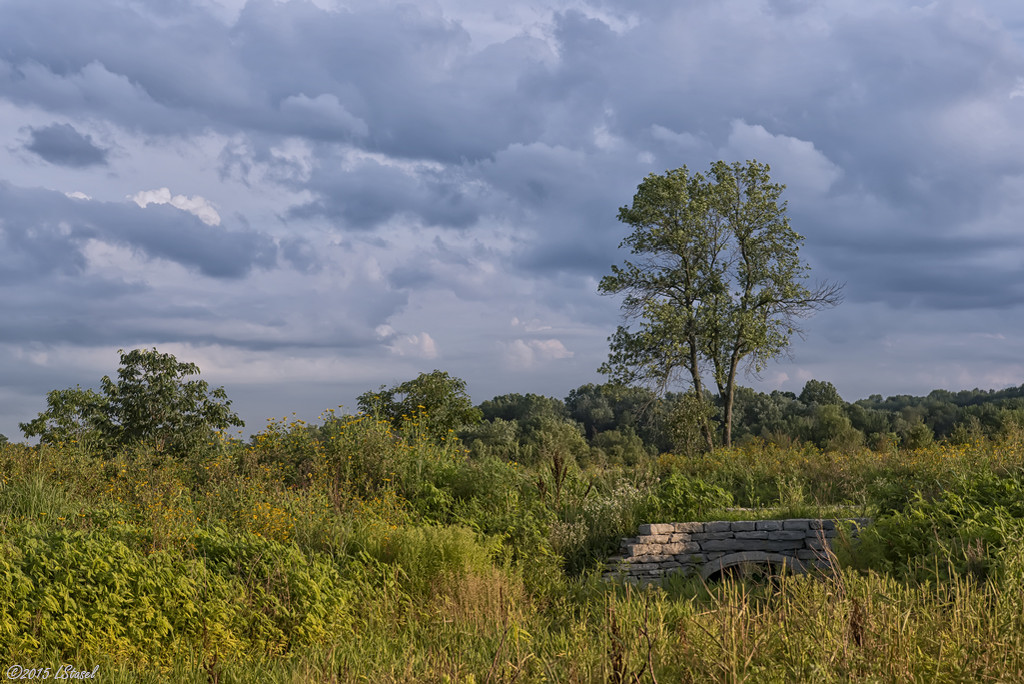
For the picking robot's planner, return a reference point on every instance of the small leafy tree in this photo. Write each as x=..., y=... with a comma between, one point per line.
x=820, y=392
x=716, y=284
x=151, y=403
x=437, y=399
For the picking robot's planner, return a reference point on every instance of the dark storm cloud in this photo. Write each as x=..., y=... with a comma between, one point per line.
x=63, y=145
x=44, y=232
x=373, y=128
x=286, y=68
x=372, y=193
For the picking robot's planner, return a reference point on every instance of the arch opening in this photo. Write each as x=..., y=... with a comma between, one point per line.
x=751, y=565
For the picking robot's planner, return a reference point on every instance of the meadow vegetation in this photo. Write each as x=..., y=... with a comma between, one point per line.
x=358, y=548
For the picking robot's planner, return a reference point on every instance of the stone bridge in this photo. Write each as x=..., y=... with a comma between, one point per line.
x=713, y=548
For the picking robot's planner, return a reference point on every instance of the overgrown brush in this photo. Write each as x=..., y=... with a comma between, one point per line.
x=358, y=550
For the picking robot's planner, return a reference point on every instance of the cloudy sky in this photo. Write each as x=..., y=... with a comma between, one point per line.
x=310, y=199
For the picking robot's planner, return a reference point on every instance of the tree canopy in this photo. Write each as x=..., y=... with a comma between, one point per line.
x=151, y=404
x=715, y=284
x=438, y=400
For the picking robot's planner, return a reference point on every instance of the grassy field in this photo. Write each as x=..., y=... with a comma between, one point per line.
x=351, y=551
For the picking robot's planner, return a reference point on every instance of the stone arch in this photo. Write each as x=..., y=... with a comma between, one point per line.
x=775, y=561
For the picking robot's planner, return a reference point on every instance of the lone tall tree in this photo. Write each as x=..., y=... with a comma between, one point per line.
x=716, y=283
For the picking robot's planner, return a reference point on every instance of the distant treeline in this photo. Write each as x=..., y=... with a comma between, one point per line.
x=612, y=423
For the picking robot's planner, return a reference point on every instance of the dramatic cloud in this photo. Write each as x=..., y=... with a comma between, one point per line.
x=62, y=144
x=310, y=199
x=196, y=206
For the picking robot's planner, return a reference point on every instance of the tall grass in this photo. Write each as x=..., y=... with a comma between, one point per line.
x=352, y=551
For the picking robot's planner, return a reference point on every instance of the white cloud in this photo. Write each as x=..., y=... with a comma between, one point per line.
x=685, y=140
x=195, y=205
x=531, y=326
x=550, y=349
x=419, y=346
x=78, y=195
x=527, y=353
x=796, y=163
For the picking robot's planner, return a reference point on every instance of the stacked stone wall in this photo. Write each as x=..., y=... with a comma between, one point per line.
x=707, y=548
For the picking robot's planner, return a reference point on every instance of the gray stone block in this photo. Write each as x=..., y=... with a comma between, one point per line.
x=652, y=558
x=689, y=527
x=823, y=524
x=797, y=524
x=768, y=525
x=641, y=549
x=783, y=546
x=737, y=545
x=656, y=572
x=657, y=529
x=718, y=526
x=734, y=545
x=744, y=525
x=676, y=549
x=788, y=535
x=654, y=539
x=757, y=534
x=691, y=557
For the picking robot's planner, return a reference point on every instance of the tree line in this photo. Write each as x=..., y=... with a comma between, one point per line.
x=616, y=423
x=612, y=423
x=713, y=286
x=155, y=403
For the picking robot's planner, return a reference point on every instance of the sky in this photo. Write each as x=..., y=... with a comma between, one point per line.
x=310, y=199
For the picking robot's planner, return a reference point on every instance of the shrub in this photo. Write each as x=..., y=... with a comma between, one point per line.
x=685, y=498
x=90, y=594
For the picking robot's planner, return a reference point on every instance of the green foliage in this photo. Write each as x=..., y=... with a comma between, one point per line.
x=438, y=400
x=89, y=595
x=688, y=417
x=681, y=423
x=73, y=415
x=832, y=429
x=618, y=447
x=360, y=549
x=429, y=556
x=527, y=411
x=820, y=392
x=592, y=406
x=497, y=437
x=590, y=527
x=916, y=435
x=717, y=283
x=685, y=498
x=962, y=526
x=556, y=453
x=151, y=404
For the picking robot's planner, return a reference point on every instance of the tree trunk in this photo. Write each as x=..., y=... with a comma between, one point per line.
x=698, y=388
x=727, y=393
